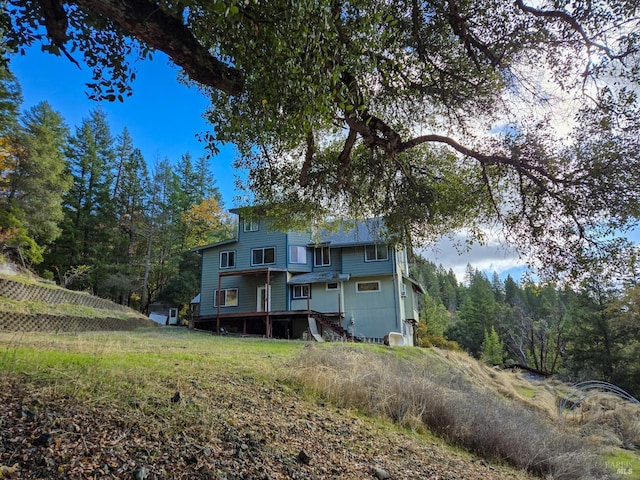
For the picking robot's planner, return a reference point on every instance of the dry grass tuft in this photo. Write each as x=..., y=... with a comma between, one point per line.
x=424, y=393
x=612, y=421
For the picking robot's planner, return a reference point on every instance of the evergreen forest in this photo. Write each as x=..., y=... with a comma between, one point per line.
x=82, y=207
x=584, y=331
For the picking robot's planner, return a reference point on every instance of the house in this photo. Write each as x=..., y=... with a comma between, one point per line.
x=347, y=284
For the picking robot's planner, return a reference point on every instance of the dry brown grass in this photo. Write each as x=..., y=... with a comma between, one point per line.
x=454, y=398
x=609, y=420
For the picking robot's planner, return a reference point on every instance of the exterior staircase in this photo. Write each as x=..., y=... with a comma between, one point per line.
x=333, y=326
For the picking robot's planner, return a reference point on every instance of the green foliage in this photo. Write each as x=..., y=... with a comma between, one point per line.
x=429, y=114
x=492, y=348
x=15, y=241
x=477, y=314
x=32, y=174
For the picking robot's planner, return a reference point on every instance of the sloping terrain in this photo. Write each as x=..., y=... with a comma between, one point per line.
x=27, y=305
x=168, y=403
x=171, y=403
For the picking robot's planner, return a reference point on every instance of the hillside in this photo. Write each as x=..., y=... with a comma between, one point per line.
x=106, y=405
x=169, y=403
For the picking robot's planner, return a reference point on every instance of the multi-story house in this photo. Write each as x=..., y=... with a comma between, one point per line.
x=347, y=284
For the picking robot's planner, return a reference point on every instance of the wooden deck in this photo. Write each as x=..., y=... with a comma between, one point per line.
x=289, y=324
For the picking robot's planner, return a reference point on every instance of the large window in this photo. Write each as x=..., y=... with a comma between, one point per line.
x=263, y=256
x=376, y=253
x=250, y=225
x=322, y=257
x=297, y=254
x=228, y=259
x=228, y=297
x=366, y=287
x=300, y=291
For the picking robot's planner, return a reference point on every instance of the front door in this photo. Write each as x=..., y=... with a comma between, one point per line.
x=264, y=300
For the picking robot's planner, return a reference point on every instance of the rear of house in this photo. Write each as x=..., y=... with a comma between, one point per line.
x=348, y=284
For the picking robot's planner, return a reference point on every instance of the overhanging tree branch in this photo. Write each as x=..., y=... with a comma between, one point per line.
x=574, y=24
x=144, y=20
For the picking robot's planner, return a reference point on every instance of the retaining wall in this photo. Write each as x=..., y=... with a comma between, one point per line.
x=31, y=322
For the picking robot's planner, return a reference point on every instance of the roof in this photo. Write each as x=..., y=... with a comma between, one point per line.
x=212, y=245
x=416, y=286
x=319, y=277
x=360, y=233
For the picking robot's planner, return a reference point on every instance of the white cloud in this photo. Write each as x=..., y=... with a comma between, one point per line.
x=493, y=256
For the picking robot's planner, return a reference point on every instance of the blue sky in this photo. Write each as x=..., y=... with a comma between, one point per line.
x=163, y=116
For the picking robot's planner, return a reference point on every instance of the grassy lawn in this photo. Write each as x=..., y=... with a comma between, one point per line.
x=368, y=402
x=117, y=365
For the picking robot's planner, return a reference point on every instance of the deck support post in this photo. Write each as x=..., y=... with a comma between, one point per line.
x=266, y=307
x=218, y=304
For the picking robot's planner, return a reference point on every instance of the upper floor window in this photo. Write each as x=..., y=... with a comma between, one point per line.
x=300, y=291
x=263, y=256
x=228, y=259
x=250, y=225
x=376, y=253
x=228, y=297
x=297, y=254
x=322, y=257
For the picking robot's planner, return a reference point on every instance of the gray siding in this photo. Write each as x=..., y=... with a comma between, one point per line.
x=373, y=313
x=336, y=261
x=322, y=300
x=353, y=262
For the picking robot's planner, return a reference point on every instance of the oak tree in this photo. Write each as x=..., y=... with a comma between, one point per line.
x=435, y=114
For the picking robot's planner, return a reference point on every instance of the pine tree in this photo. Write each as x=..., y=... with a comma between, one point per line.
x=89, y=222
x=35, y=180
x=476, y=315
x=492, y=348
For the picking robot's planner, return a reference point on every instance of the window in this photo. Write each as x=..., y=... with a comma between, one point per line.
x=403, y=290
x=376, y=253
x=263, y=256
x=300, y=291
x=332, y=286
x=322, y=257
x=365, y=287
x=228, y=297
x=297, y=254
x=228, y=259
x=250, y=225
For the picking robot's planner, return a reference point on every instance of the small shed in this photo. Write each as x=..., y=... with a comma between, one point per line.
x=164, y=314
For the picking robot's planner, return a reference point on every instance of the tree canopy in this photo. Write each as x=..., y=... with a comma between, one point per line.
x=434, y=114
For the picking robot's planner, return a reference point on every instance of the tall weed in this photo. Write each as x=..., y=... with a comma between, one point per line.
x=413, y=394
